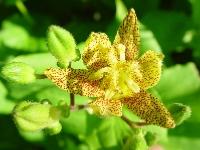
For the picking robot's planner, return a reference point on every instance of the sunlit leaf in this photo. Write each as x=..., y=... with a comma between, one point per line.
x=178, y=81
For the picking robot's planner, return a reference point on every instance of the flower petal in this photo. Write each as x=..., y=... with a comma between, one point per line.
x=98, y=52
x=128, y=35
x=150, y=67
x=150, y=109
x=105, y=107
x=75, y=81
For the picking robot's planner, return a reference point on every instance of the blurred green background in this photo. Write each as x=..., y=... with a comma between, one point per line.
x=170, y=26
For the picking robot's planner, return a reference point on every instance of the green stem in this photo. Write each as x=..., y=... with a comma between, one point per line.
x=40, y=76
x=72, y=101
x=23, y=10
x=78, y=107
x=133, y=124
x=72, y=98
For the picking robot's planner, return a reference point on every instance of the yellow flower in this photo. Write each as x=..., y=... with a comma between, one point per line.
x=117, y=76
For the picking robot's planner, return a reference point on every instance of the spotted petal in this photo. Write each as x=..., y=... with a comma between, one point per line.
x=150, y=109
x=75, y=81
x=128, y=35
x=98, y=52
x=105, y=107
x=150, y=67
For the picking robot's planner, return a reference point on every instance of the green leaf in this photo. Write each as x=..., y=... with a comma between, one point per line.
x=62, y=45
x=107, y=134
x=164, y=25
x=121, y=10
x=110, y=133
x=53, y=94
x=182, y=143
x=178, y=81
x=179, y=112
x=195, y=12
x=3, y=90
x=181, y=84
x=120, y=13
x=192, y=101
x=17, y=37
x=6, y=105
x=39, y=62
x=18, y=92
x=185, y=135
x=76, y=123
x=148, y=40
x=190, y=127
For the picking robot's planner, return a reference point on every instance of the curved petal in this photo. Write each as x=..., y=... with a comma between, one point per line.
x=105, y=107
x=150, y=109
x=150, y=67
x=75, y=81
x=98, y=52
x=128, y=35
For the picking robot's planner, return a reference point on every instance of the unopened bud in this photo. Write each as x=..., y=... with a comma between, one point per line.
x=62, y=45
x=33, y=116
x=19, y=72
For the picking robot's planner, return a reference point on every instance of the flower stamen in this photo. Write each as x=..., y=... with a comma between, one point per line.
x=121, y=50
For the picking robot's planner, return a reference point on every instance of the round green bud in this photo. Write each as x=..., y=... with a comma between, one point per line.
x=180, y=112
x=18, y=72
x=62, y=45
x=33, y=116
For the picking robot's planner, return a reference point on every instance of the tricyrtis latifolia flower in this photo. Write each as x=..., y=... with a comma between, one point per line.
x=116, y=76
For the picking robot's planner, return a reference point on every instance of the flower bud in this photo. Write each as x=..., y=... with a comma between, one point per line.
x=19, y=72
x=62, y=45
x=180, y=112
x=136, y=141
x=33, y=116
